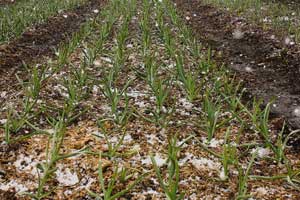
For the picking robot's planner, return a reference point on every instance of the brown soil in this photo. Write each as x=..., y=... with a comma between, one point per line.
x=36, y=43
x=44, y=38
x=269, y=68
x=198, y=181
x=291, y=3
x=6, y=2
x=41, y=41
x=7, y=195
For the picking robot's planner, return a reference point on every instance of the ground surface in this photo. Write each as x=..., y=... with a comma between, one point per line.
x=5, y=2
x=41, y=42
x=267, y=67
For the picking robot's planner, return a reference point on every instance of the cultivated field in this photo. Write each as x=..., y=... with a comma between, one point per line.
x=149, y=99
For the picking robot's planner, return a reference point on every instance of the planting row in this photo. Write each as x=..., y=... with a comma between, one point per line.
x=134, y=107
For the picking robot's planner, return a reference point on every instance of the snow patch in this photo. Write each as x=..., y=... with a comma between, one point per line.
x=160, y=161
x=13, y=184
x=3, y=121
x=186, y=159
x=97, y=63
x=186, y=104
x=297, y=112
x=135, y=94
x=127, y=138
x=151, y=139
x=213, y=143
x=237, y=34
x=261, y=152
x=261, y=191
x=27, y=164
x=222, y=174
x=86, y=183
x=204, y=163
x=65, y=177
x=106, y=59
x=248, y=69
x=3, y=94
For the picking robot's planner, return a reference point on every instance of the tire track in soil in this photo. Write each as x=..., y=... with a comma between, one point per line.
x=268, y=67
x=41, y=40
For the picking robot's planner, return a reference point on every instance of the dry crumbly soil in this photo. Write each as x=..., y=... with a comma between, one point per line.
x=269, y=68
x=199, y=170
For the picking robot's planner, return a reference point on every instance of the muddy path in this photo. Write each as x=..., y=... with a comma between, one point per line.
x=269, y=67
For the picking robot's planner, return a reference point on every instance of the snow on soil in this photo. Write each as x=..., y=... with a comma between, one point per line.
x=261, y=152
x=65, y=177
x=160, y=160
x=26, y=164
x=213, y=143
x=297, y=111
x=204, y=163
x=13, y=184
x=3, y=121
x=237, y=34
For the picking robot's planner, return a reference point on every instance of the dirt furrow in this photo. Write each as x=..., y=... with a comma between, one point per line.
x=6, y=2
x=268, y=66
x=289, y=3
x=41, y=41
x=44, y=38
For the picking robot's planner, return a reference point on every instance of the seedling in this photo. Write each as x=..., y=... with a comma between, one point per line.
x=108, y=189
x=112, y=148
x=115, y=96
x=188, y=79
x=171, y=187
x=16, y=18
x=243, y=179
x=212, y=111
x=229, y=155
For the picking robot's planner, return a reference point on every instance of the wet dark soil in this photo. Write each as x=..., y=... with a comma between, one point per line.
x=270, y=68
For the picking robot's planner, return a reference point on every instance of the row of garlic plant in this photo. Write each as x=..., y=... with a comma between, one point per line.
x=160, y=87
x=118, y=117
x=16, y=18
x=272, y=14
x=38, y=75
x=228, y=96
x=77, y=84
